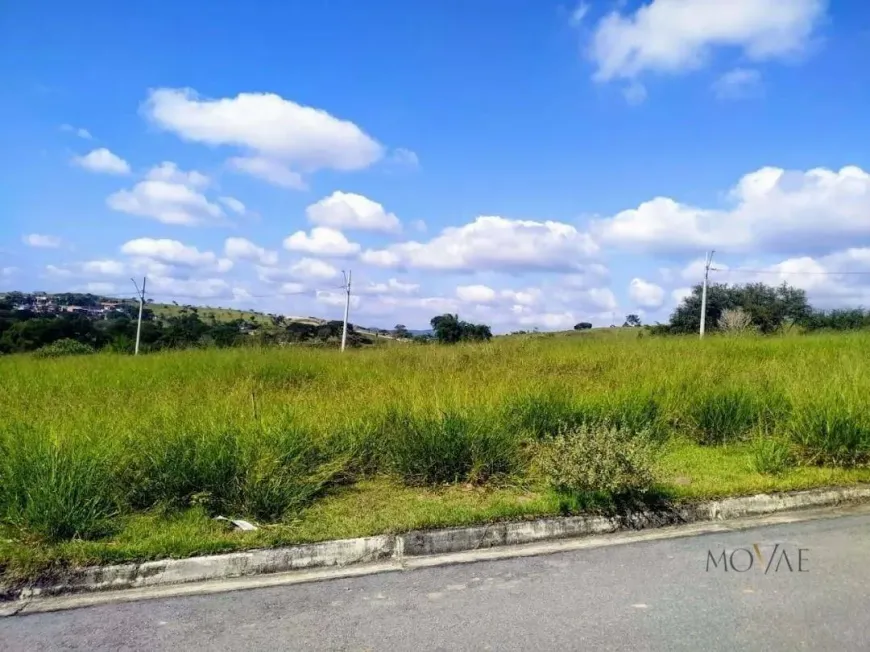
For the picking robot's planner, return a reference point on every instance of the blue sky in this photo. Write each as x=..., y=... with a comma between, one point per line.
x=524, y=163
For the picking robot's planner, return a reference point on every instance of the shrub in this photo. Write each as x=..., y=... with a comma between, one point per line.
x=598, y=459
x=62, y=348
x=735, y=321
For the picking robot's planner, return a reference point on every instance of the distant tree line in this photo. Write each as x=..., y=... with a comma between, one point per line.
x=767, y=308
x=31, y=330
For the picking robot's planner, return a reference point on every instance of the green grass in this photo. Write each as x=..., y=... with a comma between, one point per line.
x=110, y=458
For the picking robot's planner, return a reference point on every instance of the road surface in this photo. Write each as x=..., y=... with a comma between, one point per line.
x=671, y=594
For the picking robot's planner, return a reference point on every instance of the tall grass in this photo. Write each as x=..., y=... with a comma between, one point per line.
x=263, y=433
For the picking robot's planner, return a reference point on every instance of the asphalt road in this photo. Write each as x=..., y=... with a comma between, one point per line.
x=657, y=595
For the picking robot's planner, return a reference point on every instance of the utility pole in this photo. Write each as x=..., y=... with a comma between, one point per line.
x=346, y=308
x=704, y=291
x=141, y=294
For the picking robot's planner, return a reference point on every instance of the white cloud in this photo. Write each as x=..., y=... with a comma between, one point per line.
x=6, y=272
x=579, y=13
x=679, y=294
x=737, y=84
x=168, y=287
x=493, y=243
x=233, y=204
x=103, y=161
x=674, y=36
x=243, y=249
x=347, y=210
x=634, y=93
x=838, y=279
x=167, y=202
x=170, y=172
x=549, y=320
x=61, y=272
x=100, y=287
x=271, y=170
x=332, y=298
x=292, y=288
x=475, y=293
x=380, y=258
x=80, y=132
x=313, y=268
x=268, y=126
x=173, y=252
x=42, y=241
x=772, y=209
x=104, y=267
x=392, y=286
x=646, y=294
x=404, y=157
x=323, y=241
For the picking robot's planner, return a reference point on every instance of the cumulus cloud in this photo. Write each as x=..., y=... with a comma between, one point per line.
x=173, y=252
x=192, y=288
x=493, y=243
x=268, y=169
x=170, y=172
x=42, y=241
x=347, y=210
x=78, y=131
x=404, y=157
x=475, y=293
x=243, y=249
x=168, y=195
x=6, y=272
x=392, y=286
x=837, y=279
x=737, y=84
x=233, y=204
x=313, y=268
x=646, y=294
x=678, y=294
x=771, y=209
x=102, y=161
x=323, y=241
x=333, y=298
x=276, y=133
x=104, y=267
x=675, y=36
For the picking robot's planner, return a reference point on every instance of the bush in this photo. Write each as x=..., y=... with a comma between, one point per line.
x=598, y=459
x=62, y=348
x=450, y=447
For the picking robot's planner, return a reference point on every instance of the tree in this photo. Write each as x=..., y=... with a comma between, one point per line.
x=400, y=332
x=767, y=306
x=632, y=320
x=449, y=330
x=582, y=326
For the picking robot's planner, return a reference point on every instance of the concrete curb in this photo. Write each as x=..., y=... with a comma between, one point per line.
x=402, y=549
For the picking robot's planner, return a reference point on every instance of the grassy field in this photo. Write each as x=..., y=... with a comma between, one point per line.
x=107, y=458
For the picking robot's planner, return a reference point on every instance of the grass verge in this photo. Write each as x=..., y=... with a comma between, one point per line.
x=688, y=472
